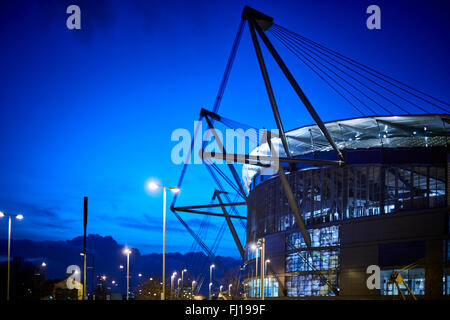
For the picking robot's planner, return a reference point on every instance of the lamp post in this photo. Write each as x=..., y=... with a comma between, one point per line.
x=210, y=279
x=171, y=283
x=127, y=251
x=262, y=244
x=154, y=186
x=220, y=289
x=210, y=285
x=182, y=274
x=193, y=286
x=256, y=248
x=267, y=262
x=18, y=217
x=179, y=279
x=229, y=289
x=93, y=271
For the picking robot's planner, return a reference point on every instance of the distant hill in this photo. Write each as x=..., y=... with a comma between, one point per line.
x=108, y=256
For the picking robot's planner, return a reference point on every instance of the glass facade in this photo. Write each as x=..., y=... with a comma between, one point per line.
x=414, y=278
x=312, y=260
x=253, y=288
x=305, y=285
x=446, y=282
x=319, y=267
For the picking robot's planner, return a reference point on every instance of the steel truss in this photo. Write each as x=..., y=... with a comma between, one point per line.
x=258, y=23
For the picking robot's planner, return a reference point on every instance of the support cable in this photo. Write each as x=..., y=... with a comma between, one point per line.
x=394, y=82
x=337, y=75
x=355, y=79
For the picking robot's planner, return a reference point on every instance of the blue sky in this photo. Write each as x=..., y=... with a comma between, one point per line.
x=90, y=112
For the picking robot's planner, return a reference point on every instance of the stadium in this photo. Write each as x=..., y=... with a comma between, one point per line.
x=381, y=208
x=331, y=204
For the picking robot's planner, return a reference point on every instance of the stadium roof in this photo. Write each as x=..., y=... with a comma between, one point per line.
x=360, y=133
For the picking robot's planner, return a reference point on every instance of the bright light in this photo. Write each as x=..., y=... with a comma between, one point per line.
x=267, y=261
x=184, y=270
x=153, y=185
x=253, y=246
x=43, y=264
x=19, y=217
x=140, y=275
x=212, y=266
x=127, y=251
x=113, y=282
x=104, y=277
x=121, y=266
x=175, y=189
x=2, y=214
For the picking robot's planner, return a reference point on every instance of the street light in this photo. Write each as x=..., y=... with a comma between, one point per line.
x=267, y=262
x=171, y=282
x=127, y=251
x=220, y=289
x=255, y=247
x=210, y=285
x=262, y=244
x=18, y=217
x=193, y=286
x=179, y=279
x=210, y=279
x=182, y=274
x=153, y=186
x=229, y=289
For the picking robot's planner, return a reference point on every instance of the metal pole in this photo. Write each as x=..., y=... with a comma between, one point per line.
x=128, y=275
x=164, y=247
x=230, y=225
x=84, y=247
x=269, y=89
x=256, y=272
x=9, y=253
x=92, y=280
x=263, y=261
x=294, y=85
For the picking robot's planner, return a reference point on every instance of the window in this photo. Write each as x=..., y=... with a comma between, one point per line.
x=324, y=237
x=253, y=288
x=311, y=285
x=414, y=278
x=312, y=260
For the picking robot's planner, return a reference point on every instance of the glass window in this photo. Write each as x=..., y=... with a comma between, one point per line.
x=414, y=278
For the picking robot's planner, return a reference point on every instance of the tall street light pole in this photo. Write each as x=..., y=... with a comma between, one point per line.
x=127, y=251
x=210, y=279
x=18, y=217
x=262, y=244
x=256, y=248
x=171, y=283
x=154, y=186
x=182, y=274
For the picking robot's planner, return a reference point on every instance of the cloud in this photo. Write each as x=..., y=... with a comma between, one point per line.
x=146, y=223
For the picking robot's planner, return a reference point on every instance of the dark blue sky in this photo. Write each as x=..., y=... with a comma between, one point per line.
x=91, y=111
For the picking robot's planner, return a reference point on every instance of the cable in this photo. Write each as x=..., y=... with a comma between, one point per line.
x=301, y=59
x=348, y=75
x=372, y=71
x=365, y=95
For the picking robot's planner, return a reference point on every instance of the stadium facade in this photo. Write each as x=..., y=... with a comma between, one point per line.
x=387, y=206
